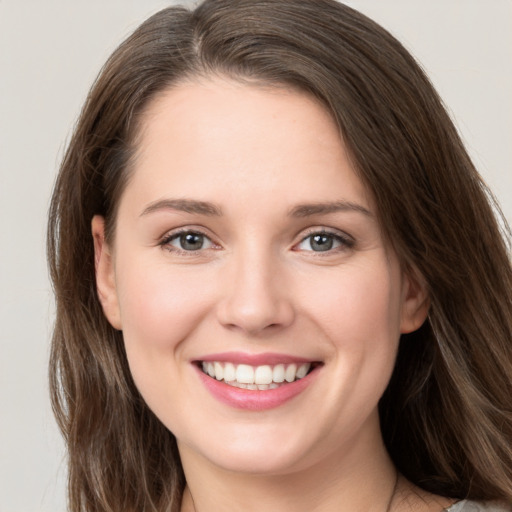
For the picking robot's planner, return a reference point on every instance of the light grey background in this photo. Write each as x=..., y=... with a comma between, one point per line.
x=50, y=52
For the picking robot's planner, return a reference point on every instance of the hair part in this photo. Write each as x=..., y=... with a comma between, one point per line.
x=447, y=413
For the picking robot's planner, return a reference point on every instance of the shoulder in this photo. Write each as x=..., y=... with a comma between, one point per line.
x=478, y=506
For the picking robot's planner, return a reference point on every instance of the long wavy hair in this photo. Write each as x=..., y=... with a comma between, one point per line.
x=447, y=414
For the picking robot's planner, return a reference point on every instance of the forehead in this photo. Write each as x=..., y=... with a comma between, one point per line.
x=207, y=137
x=218, y=108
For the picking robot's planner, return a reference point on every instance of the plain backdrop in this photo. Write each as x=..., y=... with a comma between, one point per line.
x=50, y=52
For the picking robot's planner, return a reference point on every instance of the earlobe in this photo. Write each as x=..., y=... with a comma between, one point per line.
x=105, y=276
x=416, y=303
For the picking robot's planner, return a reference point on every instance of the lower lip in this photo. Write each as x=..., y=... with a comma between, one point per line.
x=256, y=400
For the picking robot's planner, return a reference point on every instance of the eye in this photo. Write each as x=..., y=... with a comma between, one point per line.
x=187, y=241
x=323, y=242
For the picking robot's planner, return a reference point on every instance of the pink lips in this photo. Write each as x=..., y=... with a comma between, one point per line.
x=254, y=359
x=255, y=400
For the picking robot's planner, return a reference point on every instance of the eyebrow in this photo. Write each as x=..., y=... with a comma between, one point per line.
x=183, y=205
x=210, y=209
x=309, y=209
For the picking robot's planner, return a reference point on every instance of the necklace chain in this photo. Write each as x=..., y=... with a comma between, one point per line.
x=388, y=508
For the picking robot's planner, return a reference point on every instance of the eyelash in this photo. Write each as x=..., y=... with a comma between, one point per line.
x=345, y=242
x=166, y=242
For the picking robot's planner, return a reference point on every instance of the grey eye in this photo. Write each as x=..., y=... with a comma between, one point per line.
x=322, y=242
x=190, y=241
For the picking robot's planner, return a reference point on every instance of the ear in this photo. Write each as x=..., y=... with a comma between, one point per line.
x=416, y=302
x=105, y=275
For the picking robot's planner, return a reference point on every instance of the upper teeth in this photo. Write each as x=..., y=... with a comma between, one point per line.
x=260, y=375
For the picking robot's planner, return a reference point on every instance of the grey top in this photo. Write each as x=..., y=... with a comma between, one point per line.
x=477, y=506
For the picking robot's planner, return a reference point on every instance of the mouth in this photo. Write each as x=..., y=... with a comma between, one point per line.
x=256, y=382
x=257, y=378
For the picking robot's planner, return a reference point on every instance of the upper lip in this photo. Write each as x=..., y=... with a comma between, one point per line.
x=265, y=358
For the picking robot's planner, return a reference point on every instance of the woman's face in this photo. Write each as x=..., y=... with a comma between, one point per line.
x=246, y=245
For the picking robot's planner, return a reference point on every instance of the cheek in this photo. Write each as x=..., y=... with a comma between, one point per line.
x=160, y=310
x=160, y=305
x=360, y=305
x=360, y=315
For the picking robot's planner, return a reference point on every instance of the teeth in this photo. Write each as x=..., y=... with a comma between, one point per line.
x=263, y=375
x=302, y=370
x=229, y=372
x=290, y=373
x=219, y=371
x=259, y=377
x=278, y=373
x=245, y=374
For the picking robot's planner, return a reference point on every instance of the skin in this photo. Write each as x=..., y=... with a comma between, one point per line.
x=255, y=286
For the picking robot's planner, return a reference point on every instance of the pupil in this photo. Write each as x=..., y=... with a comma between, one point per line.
x=191, y=241
x=321, y=243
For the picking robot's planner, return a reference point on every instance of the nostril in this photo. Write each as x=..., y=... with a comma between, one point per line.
x=254, y=319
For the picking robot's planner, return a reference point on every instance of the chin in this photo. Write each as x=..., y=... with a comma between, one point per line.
x=262, y=462
x=254, y=452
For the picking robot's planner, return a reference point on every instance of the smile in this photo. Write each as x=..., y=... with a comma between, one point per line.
x=256, y=382
x=260, y=378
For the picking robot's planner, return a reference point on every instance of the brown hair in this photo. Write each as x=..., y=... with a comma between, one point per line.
x=447, y=413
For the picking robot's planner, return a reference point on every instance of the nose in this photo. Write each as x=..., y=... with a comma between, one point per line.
x=256, y=299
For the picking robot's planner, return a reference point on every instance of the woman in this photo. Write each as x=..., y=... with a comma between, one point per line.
x=280, y=283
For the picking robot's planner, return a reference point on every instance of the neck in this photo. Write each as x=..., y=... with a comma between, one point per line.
x=361, y=478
